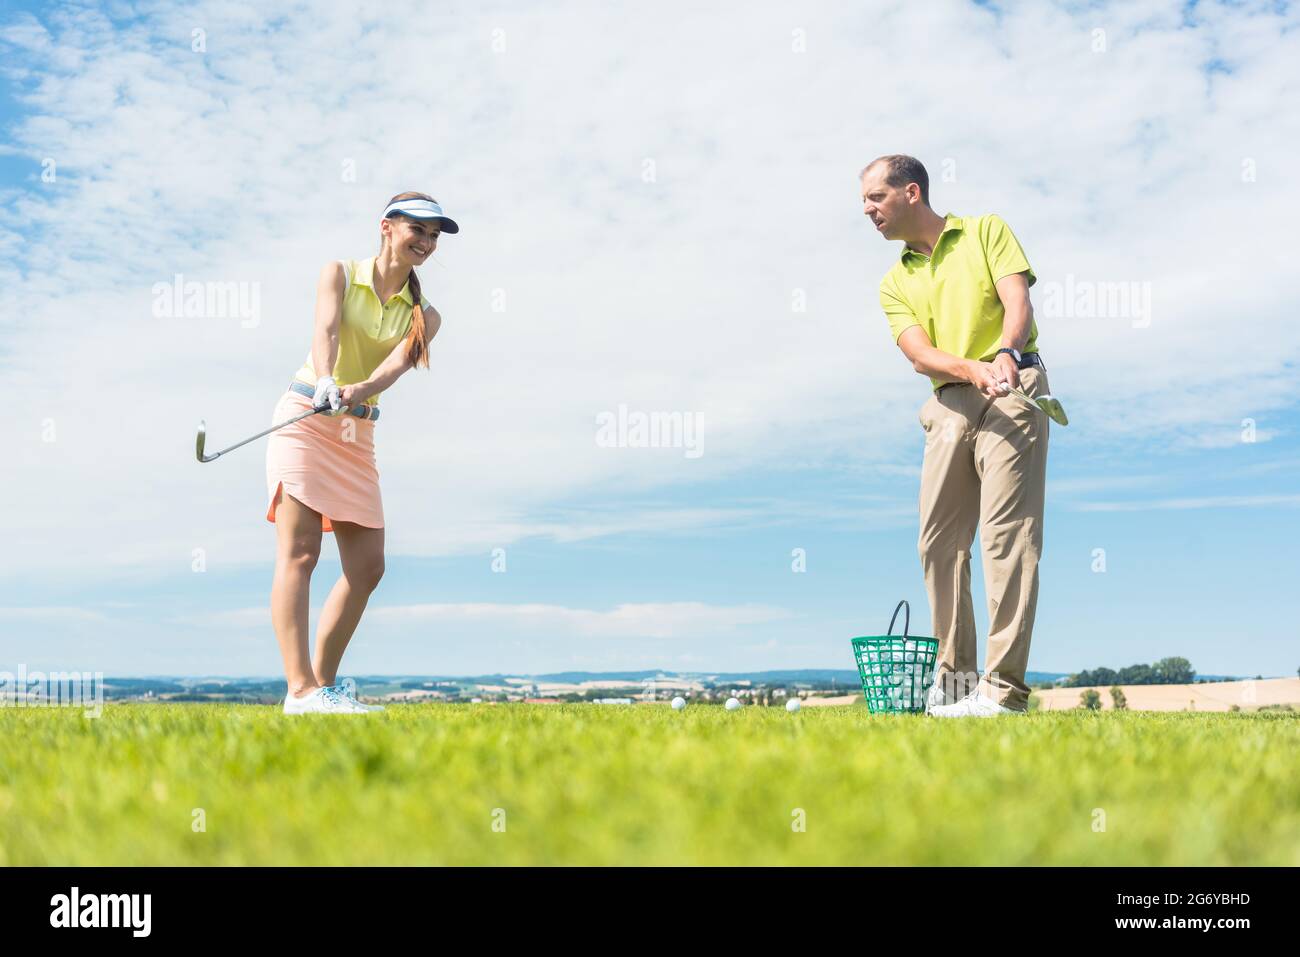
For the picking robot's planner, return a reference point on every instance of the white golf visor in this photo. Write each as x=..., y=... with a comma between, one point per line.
x=422, y=209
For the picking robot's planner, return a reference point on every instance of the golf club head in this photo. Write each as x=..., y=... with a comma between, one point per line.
x=1052, y=406
x=200, y=441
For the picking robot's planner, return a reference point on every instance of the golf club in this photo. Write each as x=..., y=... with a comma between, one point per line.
x=203, y=434
x=1050, y=405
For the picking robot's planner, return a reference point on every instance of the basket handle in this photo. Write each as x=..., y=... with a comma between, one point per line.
x=907, y=618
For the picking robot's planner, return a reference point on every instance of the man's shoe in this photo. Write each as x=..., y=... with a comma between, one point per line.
x=974, y=705
x=936, y=697
x=941, y=692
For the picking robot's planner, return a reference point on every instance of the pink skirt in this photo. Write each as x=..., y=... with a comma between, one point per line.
x=326, y=462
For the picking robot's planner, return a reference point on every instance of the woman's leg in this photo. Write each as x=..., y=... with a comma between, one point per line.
x=361, y=551
x=298, y=535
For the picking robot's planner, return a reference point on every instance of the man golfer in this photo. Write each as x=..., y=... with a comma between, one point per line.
x=958, y=306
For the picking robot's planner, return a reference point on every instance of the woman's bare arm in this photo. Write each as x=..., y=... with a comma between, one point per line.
x=396, y=362
x=329, y=316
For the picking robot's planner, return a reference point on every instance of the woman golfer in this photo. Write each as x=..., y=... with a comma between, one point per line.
x=372, y=325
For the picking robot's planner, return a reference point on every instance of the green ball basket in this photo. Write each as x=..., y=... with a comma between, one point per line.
x=896, y=670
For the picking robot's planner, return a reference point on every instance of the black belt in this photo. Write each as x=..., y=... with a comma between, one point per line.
x=1027, y=359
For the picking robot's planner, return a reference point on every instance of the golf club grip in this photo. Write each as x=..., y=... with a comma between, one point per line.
x=907, y=618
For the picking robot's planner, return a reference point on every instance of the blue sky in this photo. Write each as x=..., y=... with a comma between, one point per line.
x=649, y=199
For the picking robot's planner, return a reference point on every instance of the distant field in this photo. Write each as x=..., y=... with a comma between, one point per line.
x=1207, y=696
x=585, y=784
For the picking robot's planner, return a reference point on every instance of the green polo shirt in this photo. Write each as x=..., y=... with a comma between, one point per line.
x=951, y=294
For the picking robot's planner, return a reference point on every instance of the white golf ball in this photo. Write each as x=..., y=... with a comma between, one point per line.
x=733, y=704
x=792, y=705
x=679, y=703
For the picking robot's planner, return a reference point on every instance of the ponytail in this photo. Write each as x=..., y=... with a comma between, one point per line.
x=416, y=350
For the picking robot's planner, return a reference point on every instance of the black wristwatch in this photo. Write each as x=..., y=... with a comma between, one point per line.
x=1015, y=354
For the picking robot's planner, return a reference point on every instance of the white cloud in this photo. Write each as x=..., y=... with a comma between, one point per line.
x=1116, y=166
x=50, y=614
x=1194, y=502
x=645, y=620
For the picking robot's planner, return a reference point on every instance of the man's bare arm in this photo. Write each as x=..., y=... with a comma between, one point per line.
x=1017, y=316
x=932, y=362
x=944, y=366
x=1018, y=312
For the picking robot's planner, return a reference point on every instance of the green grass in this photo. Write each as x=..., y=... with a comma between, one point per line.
x=586, y=784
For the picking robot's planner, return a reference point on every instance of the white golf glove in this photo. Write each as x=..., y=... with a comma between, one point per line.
x=327, y=390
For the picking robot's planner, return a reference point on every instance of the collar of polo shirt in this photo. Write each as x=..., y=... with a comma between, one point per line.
x=951, y=223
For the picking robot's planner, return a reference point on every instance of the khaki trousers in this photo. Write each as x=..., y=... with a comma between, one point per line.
x=985, y=464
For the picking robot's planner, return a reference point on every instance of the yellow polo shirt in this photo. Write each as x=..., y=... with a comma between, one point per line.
x=368, y=330
x=951, y=293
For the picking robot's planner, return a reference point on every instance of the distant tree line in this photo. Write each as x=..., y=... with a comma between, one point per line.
x=1166, y=671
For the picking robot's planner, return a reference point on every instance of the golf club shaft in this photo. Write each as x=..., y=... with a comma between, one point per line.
x=1047, y=404
x=266, y=432
x=1024, y=397
x=1027, y=399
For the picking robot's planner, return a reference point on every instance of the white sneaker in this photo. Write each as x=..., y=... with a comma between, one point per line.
x=937, y=696
x=321, y=701
x=351, y=696
x=974, y=705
